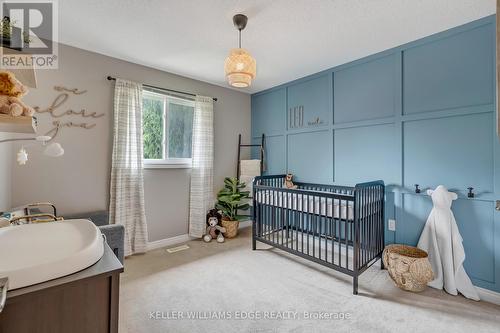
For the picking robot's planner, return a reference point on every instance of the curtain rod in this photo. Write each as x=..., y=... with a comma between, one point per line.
x=110, y=78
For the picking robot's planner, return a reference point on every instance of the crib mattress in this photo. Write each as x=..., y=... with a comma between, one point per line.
x=314, y=204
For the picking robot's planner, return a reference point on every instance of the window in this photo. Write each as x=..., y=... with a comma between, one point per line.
x=167, y=129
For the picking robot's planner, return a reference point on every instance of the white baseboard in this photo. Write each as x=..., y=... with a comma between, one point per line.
x=168, y=242
x=488, y=295
x=182, y=238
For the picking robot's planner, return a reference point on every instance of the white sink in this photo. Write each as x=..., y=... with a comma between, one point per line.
x=34, y=253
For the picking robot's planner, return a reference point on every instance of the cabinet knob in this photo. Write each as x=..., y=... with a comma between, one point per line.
x=470, y=194
x=417, y=189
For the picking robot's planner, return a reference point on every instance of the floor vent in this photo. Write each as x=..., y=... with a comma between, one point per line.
x=178, y=248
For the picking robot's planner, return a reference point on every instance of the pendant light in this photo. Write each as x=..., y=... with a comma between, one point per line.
x=240, y=66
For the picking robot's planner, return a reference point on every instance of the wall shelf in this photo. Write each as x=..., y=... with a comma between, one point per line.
x=17, y=124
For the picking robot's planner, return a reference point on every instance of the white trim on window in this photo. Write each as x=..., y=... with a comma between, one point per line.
x=169, y=163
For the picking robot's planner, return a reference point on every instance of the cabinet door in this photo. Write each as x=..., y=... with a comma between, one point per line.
x=269, y=113
x=310, y=103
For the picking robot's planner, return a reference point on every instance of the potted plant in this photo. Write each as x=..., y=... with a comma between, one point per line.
x=6, y=26
x=229, y=200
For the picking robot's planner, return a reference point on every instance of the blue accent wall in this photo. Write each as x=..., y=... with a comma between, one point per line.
x=421, y=113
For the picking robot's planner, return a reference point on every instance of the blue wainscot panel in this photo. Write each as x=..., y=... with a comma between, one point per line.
x=411, y=217
x=451, y=72
x=366, y=91
x=365, y=154
x=313, y=99
x=456, y=152
x=269, y=113
x=274, y=154
x=476, y=224
x=310, y=156
x=390, y=213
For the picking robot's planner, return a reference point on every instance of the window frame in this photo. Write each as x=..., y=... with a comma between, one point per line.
x=168, y=162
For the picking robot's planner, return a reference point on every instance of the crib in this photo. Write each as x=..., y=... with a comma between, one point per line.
x=339, y=227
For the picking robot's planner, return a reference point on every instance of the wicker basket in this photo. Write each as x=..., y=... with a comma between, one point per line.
x=408, y=267
x=231, y=228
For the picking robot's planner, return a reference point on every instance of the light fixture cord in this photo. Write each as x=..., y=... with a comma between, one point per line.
x=239, y=30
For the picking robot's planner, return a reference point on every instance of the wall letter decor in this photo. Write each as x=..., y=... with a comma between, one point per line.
x=58, y=102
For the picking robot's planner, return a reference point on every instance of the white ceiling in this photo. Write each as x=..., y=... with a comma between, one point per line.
x=289, y=38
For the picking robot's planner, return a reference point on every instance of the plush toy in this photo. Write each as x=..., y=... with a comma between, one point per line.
x=214, y=230
x=11, y=91
x=289, y=182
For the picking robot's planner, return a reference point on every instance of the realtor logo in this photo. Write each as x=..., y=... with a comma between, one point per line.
x=28, y=34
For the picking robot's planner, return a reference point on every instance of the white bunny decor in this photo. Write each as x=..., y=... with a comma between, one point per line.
x=441, y=239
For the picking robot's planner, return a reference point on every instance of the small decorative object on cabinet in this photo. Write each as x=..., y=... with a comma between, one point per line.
x=408, y=267
x=229, y=200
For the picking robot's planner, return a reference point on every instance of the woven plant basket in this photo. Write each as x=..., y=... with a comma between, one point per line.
x=231, y=228
x=408, y=267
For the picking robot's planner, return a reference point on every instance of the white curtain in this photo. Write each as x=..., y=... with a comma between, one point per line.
x=127, y=185
x=202, y=172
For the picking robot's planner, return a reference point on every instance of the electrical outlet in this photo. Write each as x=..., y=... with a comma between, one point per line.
x=392, y=225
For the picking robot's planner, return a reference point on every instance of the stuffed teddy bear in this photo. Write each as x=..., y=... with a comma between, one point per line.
x=11, y=91
x=289, y=182
x=214, y=230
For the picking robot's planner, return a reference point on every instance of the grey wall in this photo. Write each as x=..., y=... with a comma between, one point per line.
x=5, y=173
x=78, y=181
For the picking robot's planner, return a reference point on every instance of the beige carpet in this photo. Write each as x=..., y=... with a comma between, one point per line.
x=226, y=284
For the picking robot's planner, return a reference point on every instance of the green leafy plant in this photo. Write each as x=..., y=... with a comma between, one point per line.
x=6, y=26
x=230, y=199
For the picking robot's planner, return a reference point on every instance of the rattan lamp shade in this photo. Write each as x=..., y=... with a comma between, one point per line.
x=240, y=68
